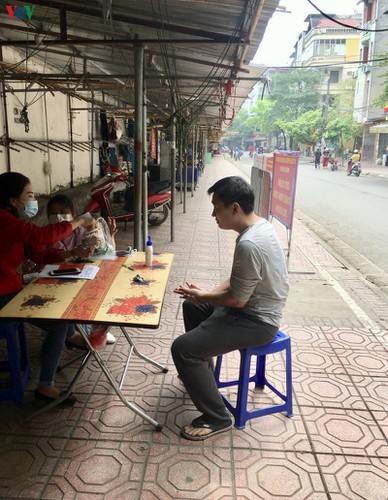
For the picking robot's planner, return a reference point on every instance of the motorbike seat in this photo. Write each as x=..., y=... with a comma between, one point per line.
x=158, y=187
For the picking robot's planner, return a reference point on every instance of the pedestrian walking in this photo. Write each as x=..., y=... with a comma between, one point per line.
x=317, y=158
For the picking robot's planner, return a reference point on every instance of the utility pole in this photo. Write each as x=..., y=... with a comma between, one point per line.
x=325, y=113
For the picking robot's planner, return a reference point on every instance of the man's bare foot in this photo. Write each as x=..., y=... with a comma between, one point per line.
x=199, y=429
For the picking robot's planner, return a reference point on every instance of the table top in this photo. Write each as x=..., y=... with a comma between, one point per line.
x=112, y=297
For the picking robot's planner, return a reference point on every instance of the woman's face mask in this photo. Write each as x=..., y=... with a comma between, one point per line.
x=53, y=219
x=30, y=209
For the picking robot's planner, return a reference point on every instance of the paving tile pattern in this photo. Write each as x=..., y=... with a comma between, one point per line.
x=334, y=447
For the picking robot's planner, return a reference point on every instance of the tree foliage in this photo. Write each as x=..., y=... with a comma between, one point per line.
x=294, y=110
x=382, y=99
x=242, y=124
x=306, y=128
x=294, y=93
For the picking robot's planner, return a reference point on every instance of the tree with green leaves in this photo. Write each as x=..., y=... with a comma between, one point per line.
x=306, y=128
x=294, y=92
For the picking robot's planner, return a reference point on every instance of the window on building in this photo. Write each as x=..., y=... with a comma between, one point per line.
x=334, y=76
x=329, y=47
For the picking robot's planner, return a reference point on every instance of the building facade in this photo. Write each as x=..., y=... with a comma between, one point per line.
x=330, y=48
x=369, y=86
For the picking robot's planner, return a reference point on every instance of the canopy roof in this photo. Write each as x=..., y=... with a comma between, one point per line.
x=197, y=52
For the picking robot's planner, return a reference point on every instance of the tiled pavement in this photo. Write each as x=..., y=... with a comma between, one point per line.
x=334, y=447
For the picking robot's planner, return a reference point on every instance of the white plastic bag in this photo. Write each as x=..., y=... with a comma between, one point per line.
x=99, y=237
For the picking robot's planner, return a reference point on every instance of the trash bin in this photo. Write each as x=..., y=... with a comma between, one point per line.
x=208, y=158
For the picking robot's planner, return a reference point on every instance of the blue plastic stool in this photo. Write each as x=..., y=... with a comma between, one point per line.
x=241, y=414
x=18, y=363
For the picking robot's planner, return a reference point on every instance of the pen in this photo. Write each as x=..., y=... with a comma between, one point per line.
x=127, y=267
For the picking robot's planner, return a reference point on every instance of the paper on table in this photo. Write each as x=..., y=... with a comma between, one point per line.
x=88, y=272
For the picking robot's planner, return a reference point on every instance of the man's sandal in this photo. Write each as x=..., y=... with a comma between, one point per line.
x=199, y=424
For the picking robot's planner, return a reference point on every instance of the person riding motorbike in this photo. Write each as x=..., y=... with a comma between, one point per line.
x=355, y=157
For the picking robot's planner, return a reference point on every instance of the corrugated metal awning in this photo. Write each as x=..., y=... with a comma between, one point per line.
x=193, y=48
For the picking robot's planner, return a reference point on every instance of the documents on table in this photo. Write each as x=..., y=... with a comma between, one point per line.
x=88, y=272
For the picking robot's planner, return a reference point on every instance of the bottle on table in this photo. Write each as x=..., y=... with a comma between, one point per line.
x=149, y=252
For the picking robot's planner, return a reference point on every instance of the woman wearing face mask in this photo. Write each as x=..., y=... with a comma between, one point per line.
x=17, y=205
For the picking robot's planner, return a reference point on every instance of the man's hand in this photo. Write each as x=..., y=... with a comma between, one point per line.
x=191, y=292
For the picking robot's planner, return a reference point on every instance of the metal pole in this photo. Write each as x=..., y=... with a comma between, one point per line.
x=184, y=144
x=173, y=169
x=92, y=143
x=139, y=65
x=6, y=127
x=192, y=161
x=145, y=176
x=71, y=142
x=180, y=170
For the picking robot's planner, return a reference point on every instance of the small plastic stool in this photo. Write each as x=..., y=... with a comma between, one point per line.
x=18, y=363
x=240, y=412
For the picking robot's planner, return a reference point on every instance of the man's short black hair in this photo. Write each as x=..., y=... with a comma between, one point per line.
x=234, y=189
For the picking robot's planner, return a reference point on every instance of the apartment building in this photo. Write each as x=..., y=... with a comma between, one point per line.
x=329, y=46
x=369, y=86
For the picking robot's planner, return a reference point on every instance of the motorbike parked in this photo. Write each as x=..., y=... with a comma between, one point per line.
x=355, y=169
x=113, y=196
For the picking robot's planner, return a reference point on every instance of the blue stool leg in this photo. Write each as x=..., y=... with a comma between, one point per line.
x=289, y=379
x=241, y=414
x=260, y=371
x=217, y=370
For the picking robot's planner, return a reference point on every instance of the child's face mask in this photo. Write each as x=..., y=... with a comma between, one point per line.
x=53, y=219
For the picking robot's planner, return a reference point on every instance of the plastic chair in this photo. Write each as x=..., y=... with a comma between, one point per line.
x=240, y=412
x=18, y=362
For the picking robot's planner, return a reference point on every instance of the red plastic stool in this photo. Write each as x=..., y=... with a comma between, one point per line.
x=18, y=362
x=240, y=412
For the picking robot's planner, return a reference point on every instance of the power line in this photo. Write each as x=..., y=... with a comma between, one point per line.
x=344, y=24
x=348, y=63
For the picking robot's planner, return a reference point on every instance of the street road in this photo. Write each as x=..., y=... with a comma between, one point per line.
x=352, y=208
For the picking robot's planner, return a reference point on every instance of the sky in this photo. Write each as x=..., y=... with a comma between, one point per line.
x=283, y=28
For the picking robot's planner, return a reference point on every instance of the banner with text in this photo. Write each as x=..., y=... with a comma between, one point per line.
x=284, y=174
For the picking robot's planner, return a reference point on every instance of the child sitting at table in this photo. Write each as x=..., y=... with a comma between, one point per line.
x=59, y=208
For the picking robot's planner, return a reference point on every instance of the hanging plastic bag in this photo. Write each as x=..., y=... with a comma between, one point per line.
x=99, y=237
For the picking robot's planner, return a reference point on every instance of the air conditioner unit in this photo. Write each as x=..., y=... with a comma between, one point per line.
x=365, y=69
x=355, y=74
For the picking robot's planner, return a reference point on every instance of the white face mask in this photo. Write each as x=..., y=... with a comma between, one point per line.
x=30, y=209
x=53, y=219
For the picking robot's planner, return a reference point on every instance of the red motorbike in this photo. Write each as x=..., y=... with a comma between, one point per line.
x=113, y=196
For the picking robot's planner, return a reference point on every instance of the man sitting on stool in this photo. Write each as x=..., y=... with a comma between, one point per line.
x=244, y=311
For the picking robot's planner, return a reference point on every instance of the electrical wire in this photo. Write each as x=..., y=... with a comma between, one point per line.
x=367, y=30
x=320, y=66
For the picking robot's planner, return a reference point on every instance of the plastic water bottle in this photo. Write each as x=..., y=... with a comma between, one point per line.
x=149, y=252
